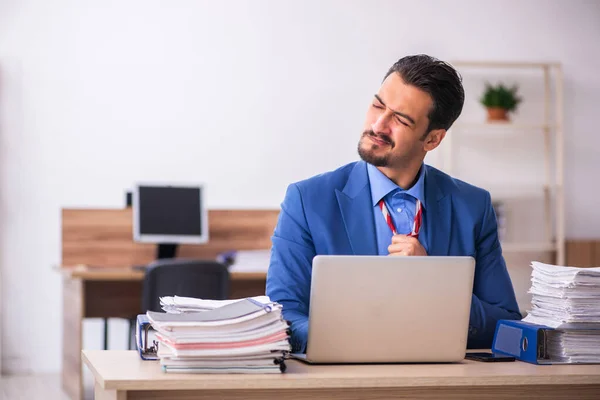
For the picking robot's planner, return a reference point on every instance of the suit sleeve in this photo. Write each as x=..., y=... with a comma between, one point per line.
x=493, y=293
x=289, y=275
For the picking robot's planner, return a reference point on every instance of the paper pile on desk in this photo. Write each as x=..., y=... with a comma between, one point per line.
x=564, y=295
x=244, y=336
x=179, y=304
x=567, y=299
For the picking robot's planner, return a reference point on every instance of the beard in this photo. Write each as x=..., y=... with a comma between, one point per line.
x=367, y=154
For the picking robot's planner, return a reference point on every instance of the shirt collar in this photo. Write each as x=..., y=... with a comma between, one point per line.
x=381, y=185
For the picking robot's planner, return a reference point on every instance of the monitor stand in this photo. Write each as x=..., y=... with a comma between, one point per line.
x=166, y=250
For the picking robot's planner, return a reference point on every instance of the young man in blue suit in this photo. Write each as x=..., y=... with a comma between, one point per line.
x=391, y=203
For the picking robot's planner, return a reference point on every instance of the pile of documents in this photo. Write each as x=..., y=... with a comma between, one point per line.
x=179, y=304
x=568, y=300
x=232, y=336
x=573, y=345
x=564, y=295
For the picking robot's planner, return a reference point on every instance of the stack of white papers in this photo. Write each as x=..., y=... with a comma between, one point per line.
x=572, y=346
x=179, y=304
x=564, y=295
x=239, y=336
x=567, y=299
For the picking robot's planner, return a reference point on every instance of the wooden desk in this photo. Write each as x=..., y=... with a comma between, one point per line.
x=114, y=293
x=122, y=375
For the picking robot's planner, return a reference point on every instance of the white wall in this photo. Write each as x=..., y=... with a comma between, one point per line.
x=246, y=96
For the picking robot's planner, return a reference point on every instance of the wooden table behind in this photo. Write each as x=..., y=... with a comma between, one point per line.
x=104, y=237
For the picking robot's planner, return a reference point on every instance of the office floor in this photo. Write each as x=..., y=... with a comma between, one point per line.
x=33, y=387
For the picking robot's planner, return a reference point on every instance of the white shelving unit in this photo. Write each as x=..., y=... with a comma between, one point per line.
x=494, y=138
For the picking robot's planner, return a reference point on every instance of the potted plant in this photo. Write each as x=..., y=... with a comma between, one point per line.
x=499, y=101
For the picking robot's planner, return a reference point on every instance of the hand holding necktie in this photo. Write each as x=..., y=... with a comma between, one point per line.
x=405, y=245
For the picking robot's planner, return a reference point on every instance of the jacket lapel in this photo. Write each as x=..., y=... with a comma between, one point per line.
x=357, y=211
x=438, y=216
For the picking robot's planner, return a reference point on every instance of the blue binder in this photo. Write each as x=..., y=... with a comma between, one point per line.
x=523, y=340
x=146, y=350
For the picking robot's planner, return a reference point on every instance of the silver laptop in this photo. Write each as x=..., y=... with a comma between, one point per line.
x=369, y=309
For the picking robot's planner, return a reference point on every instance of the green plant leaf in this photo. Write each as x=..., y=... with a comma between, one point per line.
x=500, y=96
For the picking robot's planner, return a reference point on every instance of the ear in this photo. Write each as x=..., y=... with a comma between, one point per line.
x=434, y=139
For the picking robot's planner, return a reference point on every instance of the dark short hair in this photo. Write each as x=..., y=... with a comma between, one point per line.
x=440, y=80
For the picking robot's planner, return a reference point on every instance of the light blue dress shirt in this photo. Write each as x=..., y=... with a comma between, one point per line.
x=401, y=205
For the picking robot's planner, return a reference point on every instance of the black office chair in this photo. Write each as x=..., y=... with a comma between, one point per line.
x=206, y=279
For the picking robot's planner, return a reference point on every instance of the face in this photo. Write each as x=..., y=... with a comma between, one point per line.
x=395, y=131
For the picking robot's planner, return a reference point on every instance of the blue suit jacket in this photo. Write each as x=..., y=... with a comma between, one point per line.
x=332, y=213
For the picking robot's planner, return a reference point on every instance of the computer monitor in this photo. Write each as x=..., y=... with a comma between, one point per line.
x=169, y=215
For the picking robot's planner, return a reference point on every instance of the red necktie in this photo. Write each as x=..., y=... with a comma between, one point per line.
x=416, y=224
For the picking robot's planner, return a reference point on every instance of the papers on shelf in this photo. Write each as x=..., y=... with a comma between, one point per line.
x=246, y=260
x=239, y=336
